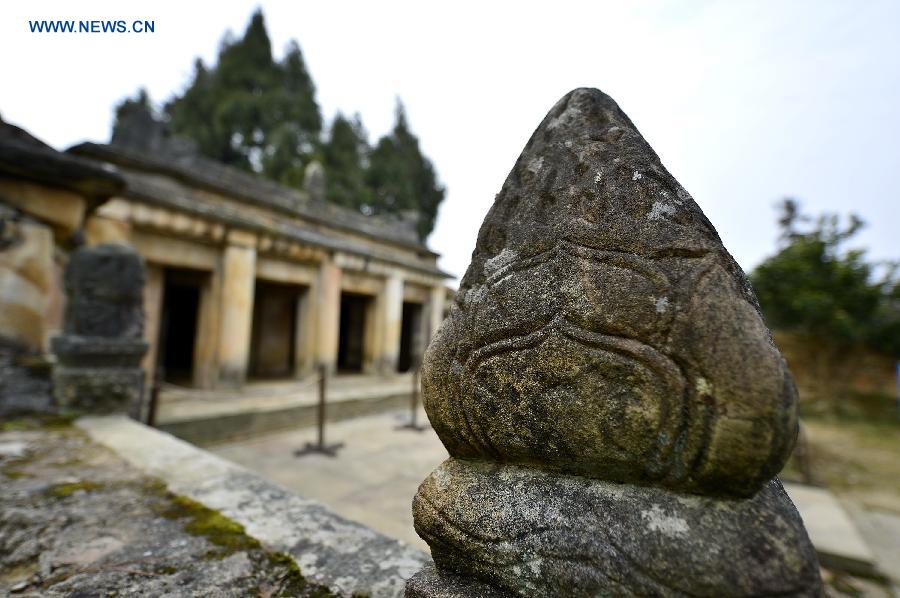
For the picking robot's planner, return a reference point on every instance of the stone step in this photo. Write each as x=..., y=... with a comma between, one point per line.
x=837, y=540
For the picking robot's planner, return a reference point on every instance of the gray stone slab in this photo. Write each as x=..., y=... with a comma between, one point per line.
x=834, y=535
x=330, y=550
x=881, y=531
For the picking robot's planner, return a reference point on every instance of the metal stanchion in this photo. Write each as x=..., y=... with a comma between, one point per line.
x=801, y=454
x=319, y=446
x=898, y=390
x=414, y=405
x=154, y=397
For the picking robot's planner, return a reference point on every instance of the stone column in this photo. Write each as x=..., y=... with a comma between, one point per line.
x=305, y=334
x=153, y=298
x=435, y=310
x=390, y=307
x=236, y=313
x=208, y=329
x=99, y=353
x=328, y=313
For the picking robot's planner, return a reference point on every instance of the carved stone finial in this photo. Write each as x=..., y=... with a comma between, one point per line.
x=606, y=356
x=314, y=181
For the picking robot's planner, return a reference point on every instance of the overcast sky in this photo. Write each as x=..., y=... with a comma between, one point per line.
x=745, y=102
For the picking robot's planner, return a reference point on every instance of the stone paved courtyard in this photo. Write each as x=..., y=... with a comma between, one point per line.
x=372, y=479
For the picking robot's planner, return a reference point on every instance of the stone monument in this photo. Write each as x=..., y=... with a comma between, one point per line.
x=614, y=407
x=314, y=181
x=98, y=355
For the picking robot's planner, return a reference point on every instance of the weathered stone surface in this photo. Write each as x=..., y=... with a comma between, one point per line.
x=99, y=389
x=330, y=550
x=24, y=381
x=104, y=287
x=602, y=328
x=98, y=357
x=98, y=351
x=76, y=520
x=613, y=404
x=428, y=583
x=533, y=532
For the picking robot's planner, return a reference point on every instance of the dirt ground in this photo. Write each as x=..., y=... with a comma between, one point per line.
x=856, y=459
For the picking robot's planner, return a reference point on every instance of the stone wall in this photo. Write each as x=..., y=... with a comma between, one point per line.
x=346, y=556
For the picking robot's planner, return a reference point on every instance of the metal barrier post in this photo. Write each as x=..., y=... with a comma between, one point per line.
x=154, y=396
x=319, y=446
x=414, y=404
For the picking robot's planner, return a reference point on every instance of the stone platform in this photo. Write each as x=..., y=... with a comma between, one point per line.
x=330, y=550
x=206, y=417
x=108, y=506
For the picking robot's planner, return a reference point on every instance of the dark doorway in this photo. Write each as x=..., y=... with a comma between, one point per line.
x=274, y=331
x=410, y=337
x=352, y=336
x=178, y=326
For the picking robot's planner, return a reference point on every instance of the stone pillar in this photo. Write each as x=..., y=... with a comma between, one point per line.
x=236, y=314
x=305, y=334
x=153, y=298
x=328, y=314
x=390, y=308
x=99, y=353
x=208, y=328
x=615, y=411
x=435, y=310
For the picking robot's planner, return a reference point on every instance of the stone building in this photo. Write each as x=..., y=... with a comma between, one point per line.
x=247, y=279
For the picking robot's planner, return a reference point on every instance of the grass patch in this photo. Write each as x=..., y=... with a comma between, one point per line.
x=228, y=535
x=293, y=583
x=40, y=421
x=856, y=457
x=66, y=490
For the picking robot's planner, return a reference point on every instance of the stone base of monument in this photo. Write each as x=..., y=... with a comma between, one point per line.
x=428, y=583
x=532, y=532
x=98, y=374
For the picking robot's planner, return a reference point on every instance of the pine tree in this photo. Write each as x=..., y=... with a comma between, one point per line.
x=292, y=119
x=193, y=117
x=402, y=178
x=250, y=111
x=345, y=157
